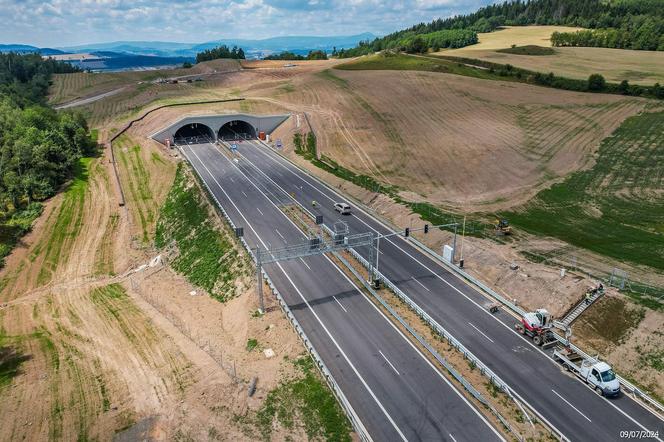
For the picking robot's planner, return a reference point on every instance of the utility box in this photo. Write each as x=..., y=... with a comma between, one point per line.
x=448, y=253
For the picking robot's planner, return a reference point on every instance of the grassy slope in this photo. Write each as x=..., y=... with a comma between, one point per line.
x=616, y=208
x=304, y=398
x=402, y=62
x=67, y=223
x=206, y=256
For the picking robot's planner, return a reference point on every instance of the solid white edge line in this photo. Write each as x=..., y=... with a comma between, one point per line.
x=287, y=165
x=568, y=403
x=375, y=307
x=342, y=307
x=480, y=331
x=388, y=361
x=438, y=372
x=364, y=383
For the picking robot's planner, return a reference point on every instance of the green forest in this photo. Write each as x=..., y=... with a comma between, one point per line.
x=287, y=55
x=39, y=148
x=222, y=51
x=633, y=24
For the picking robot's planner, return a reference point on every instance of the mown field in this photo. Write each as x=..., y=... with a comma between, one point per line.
x=615, y=208
x=638, y=67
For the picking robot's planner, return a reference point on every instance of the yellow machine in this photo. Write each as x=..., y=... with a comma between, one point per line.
x=502, y=227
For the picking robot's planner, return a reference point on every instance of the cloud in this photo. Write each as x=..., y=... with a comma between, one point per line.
x=70, y=22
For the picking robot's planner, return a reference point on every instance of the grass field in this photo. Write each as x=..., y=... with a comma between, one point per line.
x=67, y=223
x=206, y=255
x=616, y=208
x=638, y=67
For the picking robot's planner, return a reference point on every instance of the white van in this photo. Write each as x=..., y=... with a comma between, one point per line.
x=342, y=208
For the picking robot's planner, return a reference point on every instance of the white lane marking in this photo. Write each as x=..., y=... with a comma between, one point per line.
x=282, y=236
x=480, y=331
x=245, y=194
x=260, y=211
x=463, y=398
x=305, y=263
x=342, y=307
x=334, y=341
x=388, y=361
x=301, y=175
x=423, y=286
x=231, y=178
x=452, y=437
x=568, y=403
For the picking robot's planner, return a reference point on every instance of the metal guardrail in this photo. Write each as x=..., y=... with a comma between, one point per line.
x=355, y=421
x=513, y=307
x=455, y=374
x=659, y=408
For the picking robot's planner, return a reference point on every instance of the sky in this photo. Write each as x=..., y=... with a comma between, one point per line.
x=57, y=23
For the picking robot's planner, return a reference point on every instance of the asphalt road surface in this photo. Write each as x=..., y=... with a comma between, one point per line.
x=396, y=392
x=561, y=399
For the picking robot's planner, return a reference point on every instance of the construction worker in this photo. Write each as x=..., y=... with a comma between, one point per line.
x=588, y=296
x=314, y=203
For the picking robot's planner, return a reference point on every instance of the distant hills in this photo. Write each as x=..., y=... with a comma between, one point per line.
x=253, y=48
x=121, y=55
x=29, y=49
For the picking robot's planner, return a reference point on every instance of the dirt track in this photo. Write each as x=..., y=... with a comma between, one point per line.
x=105, y=347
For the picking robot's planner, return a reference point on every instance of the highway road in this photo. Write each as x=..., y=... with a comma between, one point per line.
x=561, y=399
x=396, y=392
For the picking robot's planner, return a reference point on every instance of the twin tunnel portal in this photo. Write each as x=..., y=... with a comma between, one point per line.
x=233, y=130
x=211, y=128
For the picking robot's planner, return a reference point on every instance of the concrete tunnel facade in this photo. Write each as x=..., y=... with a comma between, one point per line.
x=218, y=127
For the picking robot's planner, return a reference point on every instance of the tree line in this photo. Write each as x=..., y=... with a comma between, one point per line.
x=287, y=55
x=640, y=18
x=648, y=36
x=222, y=51
x=39, y=148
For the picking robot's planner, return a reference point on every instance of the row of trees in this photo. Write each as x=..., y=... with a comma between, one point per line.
x=643, y=17
x=649, y=36
x=287, y=55
x=415, y=43
x=222, y=51
x=39, y=148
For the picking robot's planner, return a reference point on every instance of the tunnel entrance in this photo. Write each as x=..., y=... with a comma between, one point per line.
x=237, y=130
x=194, y=133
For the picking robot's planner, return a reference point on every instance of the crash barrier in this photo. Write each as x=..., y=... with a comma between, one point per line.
x=354, y=419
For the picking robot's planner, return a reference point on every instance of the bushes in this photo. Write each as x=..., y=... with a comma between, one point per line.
x=596, y=83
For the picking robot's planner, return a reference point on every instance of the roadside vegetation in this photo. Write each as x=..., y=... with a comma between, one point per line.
x=206, y=255
x=287, y=55
x=615, y=208
x=304, y=398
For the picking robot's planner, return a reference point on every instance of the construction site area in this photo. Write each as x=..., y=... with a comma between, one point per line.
x=133, y=310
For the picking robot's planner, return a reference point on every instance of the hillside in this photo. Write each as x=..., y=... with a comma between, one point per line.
x=632, y=24
x=616, y=65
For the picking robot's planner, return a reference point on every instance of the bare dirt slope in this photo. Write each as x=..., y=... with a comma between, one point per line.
x=454, y=140
x=100, y=347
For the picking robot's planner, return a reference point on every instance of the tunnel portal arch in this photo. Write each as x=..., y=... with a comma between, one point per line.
x=237, y=129
x=193, y=133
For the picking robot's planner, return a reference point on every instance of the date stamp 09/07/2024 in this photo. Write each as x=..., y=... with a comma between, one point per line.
x=639, y=434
